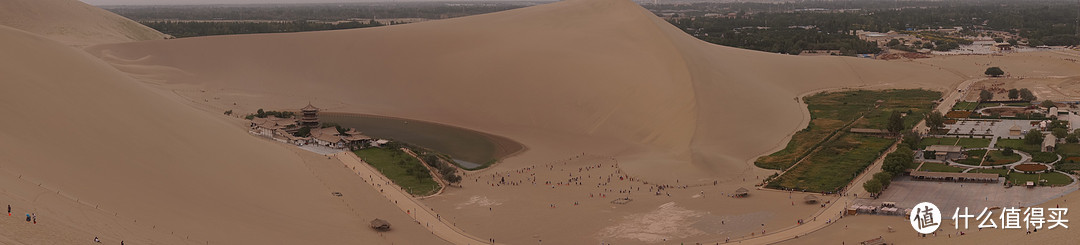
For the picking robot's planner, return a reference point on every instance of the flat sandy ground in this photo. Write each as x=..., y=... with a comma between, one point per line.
x=1056, y=88
x=594, y=89
x=579, y=192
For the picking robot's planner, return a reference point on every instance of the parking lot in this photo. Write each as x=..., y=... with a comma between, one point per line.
x=906, y=193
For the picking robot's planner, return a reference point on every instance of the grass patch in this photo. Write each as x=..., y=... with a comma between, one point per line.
x=1057, y=179
x=995, y=158
x=938, y=167
x=967, y=143
x=974, y=157
x=914, y=103
x=974, y=142
x=965, y=106
x=393, y=163
x=958, y=114
x=1068, y=150
x=835, y=165
x=1018, y=104
x=1052, y=178
x=1044, y=157
x=1022, y=178
x=999, y=172
x=1067, y=166
x=830, y=112
x=1018, y=144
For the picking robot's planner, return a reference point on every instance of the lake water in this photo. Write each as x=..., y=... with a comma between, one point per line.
x=469, y=148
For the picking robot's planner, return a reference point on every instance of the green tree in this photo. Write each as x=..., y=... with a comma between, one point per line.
x=885, y=178
x=898, y=161
x=1033, y=137
x=1060, y=132
x=1014, y=93
x=1026, y=95
x=453, y=178
x=985, y=95
x=1047, y=104
x=1062, y=124
x=994, y=72
x=873, y=186
x=1072, y=139
x=1007, y=151
x=896, y=122
x=935, y=120
x=893, y=42
x=999, y=40
x=303, y=132
x=911, y=139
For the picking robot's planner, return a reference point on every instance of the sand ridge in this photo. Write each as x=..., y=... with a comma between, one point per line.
x=581, y=83
x=568, y=72
x=73, y=22
x=102, y=155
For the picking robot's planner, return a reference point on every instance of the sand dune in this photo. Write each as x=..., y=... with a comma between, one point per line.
x=128, y=142
x=72, y=22
x=94, y=153
x=604, y=77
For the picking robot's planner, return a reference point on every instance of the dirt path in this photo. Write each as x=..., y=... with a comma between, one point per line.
x=422, y=214
x=435, y=175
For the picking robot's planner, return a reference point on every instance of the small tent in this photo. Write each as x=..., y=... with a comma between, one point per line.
x=742, y=192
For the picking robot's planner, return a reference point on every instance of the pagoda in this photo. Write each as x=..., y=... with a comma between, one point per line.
x=310, y=117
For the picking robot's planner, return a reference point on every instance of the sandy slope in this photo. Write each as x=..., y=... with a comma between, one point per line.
x=581, y=83
x=94, y=153
x=604, y=77
x=72, y=22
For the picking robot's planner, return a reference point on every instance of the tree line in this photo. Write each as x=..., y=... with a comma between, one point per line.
x=318, y=11
x=181, y=29
x=1041, y=22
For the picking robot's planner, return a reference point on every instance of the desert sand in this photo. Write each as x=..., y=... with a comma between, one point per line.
x=73, y=22
x=94, y=153
x=129, y=141
x=602, y=77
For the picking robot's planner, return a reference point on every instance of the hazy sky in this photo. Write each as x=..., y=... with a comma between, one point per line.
x=160, y=2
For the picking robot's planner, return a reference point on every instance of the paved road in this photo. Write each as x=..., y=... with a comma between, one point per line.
x=855, y=188
x=421, y=213
x=949, y=100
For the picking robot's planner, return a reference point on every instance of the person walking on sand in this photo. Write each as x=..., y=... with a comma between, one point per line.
x=97, y=240
x=8, y=210
x=34, y=215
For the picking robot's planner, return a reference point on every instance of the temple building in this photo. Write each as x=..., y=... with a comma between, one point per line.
x=310, y=117
x=330, y=137
x=282, y=130
x=271, y=126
